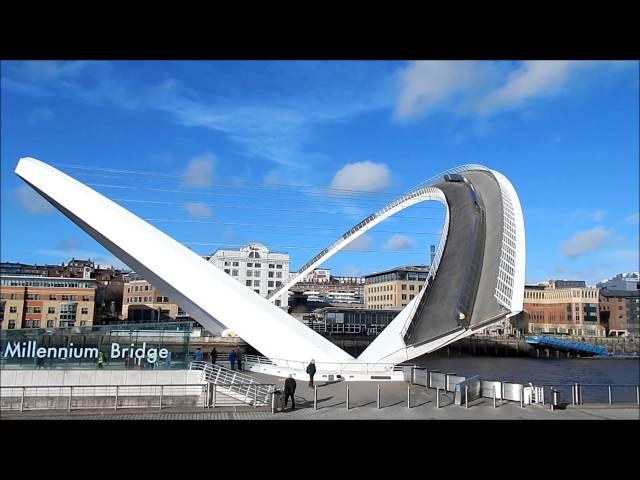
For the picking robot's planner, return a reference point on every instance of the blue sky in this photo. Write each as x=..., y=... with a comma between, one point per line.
x=217, y=145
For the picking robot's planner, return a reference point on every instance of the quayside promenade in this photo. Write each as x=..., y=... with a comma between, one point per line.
x=331, y=405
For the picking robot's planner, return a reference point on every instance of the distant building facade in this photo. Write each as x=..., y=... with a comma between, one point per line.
x=569, y=311
x=395, y=287
x=142, y=302
x=45, y=302
x=620, y=311
x=567, y=284
x=623, y=281
x=256, y=268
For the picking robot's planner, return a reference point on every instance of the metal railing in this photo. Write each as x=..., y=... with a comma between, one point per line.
x=323, y=367
x=234, y=384
x=75, y=397
x=594, y=393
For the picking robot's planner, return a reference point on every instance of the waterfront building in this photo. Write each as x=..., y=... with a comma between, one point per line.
x=142, y=302
x=623, y=281
x=257, y=268
x=350, y=321
x=569, y=311
x=46, y=302
x=319, y=275
x=395, y=287
x=620, y=311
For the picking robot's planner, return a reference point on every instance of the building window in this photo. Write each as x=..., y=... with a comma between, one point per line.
x=146, y=288
x=158, y=299
x=270, y=283
x=247, y=283
x=73, y=298
x=83, y=323
x=256, y=283
x=86, y=298
x=404, y=286
x=52, y=310
x=84, y=310
x=277, y=303
x=270, y=274
x=278, y=274
x=411, y=297
x=249, y=273
x=412, y=287
x=226, y=264
x=258, y=265
x=404, y=296
x=272, y=265
x=135, y=289
x=49, y=323
x=278, y=266
x=250, y=265
x=234, y=273
x=12, y=324
x=227, y=271
x=52, y=297
x=235, y=264
x=278, y=284
x=13, y=309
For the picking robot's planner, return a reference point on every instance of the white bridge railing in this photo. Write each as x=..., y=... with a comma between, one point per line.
x=333, y=368
x=233, y=384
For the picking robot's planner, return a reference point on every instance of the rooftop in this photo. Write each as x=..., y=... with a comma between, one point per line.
x=406, y=268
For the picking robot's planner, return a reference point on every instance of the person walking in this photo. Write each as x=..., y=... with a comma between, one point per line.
x=232, y=359
x=100, y=359
x=311, y=370
x=239, y=357
x=197, y=356
x=214, y=355
x=289, y=391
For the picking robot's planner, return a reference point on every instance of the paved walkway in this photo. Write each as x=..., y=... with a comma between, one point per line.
x=362, y=399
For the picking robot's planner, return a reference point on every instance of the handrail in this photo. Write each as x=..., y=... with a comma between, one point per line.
x=232, y=382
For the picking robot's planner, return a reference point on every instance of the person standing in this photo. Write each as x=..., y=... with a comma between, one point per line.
x=100, y=359
x=232, y=359
x=239, y=357
x=289, y=391
x=311, y=370
x=214, y=355
x=197, y=356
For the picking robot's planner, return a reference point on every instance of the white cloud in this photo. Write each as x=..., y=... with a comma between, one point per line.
x=199, y=171
x=598, y=215
x=49, y=70
x=67, y=244
x=585, y=242
x=400, y=242
x=39, y=115
x=364, y=176
x=31, y=201
x=485, y=87
x=198, y=210
x=532, y=78
x=425, y=84
x=363, y=242
x=632, y=219
x=272, y=179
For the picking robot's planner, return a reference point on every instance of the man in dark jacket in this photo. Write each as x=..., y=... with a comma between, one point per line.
x=214, y=355
x=289, y=391
x=311, y=370
x=232, y=359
